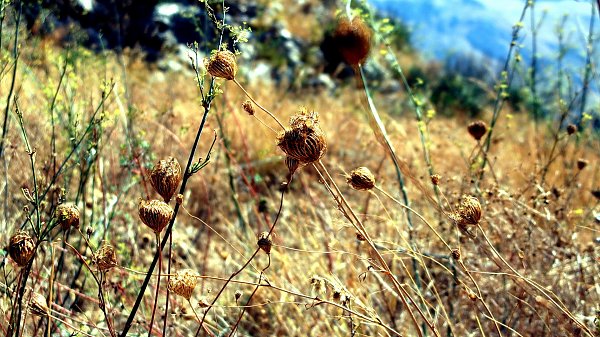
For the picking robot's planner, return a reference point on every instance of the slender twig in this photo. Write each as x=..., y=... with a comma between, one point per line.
x=14, y=78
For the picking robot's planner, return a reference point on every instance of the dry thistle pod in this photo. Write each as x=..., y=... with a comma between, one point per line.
x=165, y=177
x=264, y=242
x=38, y=305
x=361, y=179
x=105, y=257
x=67, y=216
x=304, y=141
x=571, y=129
x=435, y=179
x=477, y=129
x=155, y=214
x=248, y=107
x=468, y=213
x=292, y=164
x=184, y=282
x=222, y=64
x=581, y=163
x=21, y=248
x=353, y=40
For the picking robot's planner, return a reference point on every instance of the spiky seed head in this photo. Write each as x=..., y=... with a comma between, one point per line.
x=248, y=107
x=38, y=305
x=468, y=212
x=184, y=282
x=435, y=179
x=304, y=141
x=581, y=163
x=477, y=129
x=222, y=64
x=105, y=257
x=165, y=177
x=264, y=242
x=21, y=248
x=571, y=129
x=67, y=216
x=353, y=40
x=155, y=214
x=361, y=179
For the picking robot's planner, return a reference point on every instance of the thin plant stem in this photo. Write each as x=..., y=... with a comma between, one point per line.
x=13, y=80
x=257, y=104
x=159, y=252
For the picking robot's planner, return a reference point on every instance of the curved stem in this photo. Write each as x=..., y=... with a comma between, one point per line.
x=258, y=105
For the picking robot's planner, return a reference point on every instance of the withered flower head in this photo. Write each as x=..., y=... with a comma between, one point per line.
x=21, y=248
x=264, y=242
x=435, y=179
x=581, y=163
x=38, y=305
x=165, y=177
x=222, y=64
x=67, y=216
x=353, y=40
x=155, y=214
x=248, y=107
x=304, y=141
x=468, y=212
x=105, y=257
x=477, y=129
x=184, y=282
x=571, y=129
x=361, y=179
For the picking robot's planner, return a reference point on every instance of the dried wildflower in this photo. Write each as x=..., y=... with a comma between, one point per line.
x=292, y=164
x=165, y=177
x=222, y=64
x=318, y=284
x=581, y=163
x=237, y=295
x=571, y=129
x=155, y=214
x=21, y=248
x=435, y=179
x=105, y=257
x=360, y=237
x=361, y=179
x=248, y=107
x=264, y=242
x=184, y=282
x=456, y=254
x=67, y=216
x=353, y=40
x=477, y=129
x=304, y=141
x=468, y=213
x=38, y=305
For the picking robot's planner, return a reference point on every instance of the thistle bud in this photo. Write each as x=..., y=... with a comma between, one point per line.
x=222, y=64
x=353, y=40
x=105, y=257
x=248, y=107
x=264, y=242
x=21, y=248
x=67, y=216
x=183, y=283
x=165, y=177
x=361, y=179
x=155, y=214
x=477, y=129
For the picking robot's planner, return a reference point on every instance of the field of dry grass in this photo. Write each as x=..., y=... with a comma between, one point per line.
x=342, y=262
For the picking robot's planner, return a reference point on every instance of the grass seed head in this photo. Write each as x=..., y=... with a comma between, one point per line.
x=67, y=216
x=264, y=242
x=155, y=214
x=353, y=40
x=571, y=129
x=361, y=179
x=165, y=177
x=222, y=64
x=21, y=248
x=248, y=107
x=477, y=129
x=304, y=141
x=183, y=283
x=105, y=257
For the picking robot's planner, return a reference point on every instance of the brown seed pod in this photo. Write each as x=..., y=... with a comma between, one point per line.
x=353, y=40
x=581, y=163
x=21, y=248
x=105, y=257
x=292, y=164
x=304, y=141
x=596, y=194
x=67, y=216
x=155, y=214
x=435, y=179
x=361, y=179
x=264, y=242
x=38, y=305
x=222, y=64
x=183, y=283
x=571, y=129
x=477, y=129
x=468, y=213
x=248, y=107
x=165, y=177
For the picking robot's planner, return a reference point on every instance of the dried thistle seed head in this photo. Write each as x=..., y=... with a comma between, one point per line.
x=304, y=141
x=184, y=282
x=248, y=107
x=67, y=216
x=292, y=164
x=237, y=295
x=21, y=248
x=468, y=212
x=222, y=64
x=264, y=242
x=571, y=129
x=155, y=214
x=353, y=40
x=165, y=177
x=105, y=257
x=581, y=163
x=435, y=179
x=477, y=129
x=361, y=179
x=38, y=305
